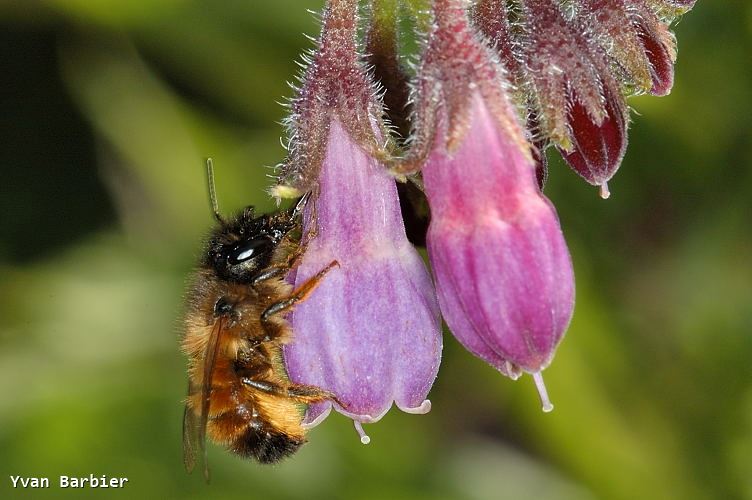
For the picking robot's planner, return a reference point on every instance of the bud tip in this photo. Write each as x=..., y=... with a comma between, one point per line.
x=546, y=405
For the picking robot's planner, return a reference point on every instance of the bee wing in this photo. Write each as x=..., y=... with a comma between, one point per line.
x=194, y=428
x=190, y=434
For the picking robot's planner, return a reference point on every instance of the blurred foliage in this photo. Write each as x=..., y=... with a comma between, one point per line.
x=107, y=109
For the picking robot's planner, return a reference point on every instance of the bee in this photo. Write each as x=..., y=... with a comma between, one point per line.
x=239, y=393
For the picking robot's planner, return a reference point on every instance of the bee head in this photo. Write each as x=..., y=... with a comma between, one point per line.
x=241, y=248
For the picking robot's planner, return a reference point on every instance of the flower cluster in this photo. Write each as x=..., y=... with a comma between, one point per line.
x=497, y=83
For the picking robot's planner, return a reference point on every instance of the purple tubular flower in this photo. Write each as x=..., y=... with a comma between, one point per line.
x=502, y=268
x=371, y=332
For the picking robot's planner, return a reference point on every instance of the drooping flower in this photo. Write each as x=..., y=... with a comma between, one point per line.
x=502, y=269
x=370, y=333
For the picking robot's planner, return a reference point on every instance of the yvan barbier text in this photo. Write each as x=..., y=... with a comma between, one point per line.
x=91, y=481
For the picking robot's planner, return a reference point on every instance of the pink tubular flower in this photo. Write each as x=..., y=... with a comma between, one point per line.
x=371, y=332
x=503, y=272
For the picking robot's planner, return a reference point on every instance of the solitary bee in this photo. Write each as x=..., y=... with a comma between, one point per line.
x=238, y=389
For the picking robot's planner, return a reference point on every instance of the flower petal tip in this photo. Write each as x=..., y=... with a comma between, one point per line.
x=546, y=404
x=318, y=418
x=421, y=409
x=511, y=371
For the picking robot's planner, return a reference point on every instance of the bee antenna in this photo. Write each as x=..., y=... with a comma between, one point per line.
x=213, y=191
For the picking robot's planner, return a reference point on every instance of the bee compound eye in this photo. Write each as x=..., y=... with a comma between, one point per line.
x=249, y=249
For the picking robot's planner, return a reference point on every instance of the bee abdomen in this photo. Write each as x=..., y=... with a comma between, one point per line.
x=266, y=446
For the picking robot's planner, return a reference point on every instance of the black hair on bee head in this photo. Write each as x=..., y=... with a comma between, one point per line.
x=240, y=248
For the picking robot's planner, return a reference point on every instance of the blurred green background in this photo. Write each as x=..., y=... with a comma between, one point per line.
x=107, y=109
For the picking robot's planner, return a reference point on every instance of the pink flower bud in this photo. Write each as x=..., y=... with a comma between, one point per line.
x=502, y=269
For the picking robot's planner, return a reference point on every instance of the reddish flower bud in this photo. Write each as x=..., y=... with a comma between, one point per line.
x=572, y=68
x=579, y=101
x=615, y=33
x=597, y=149
x=659, y=45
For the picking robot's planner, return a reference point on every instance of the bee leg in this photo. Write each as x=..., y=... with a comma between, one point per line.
x=311, y=394
x=263, y=386
x=281, y=269
x=269, y=273
x=267, y=387
x=299, y=295
x=301, y=393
